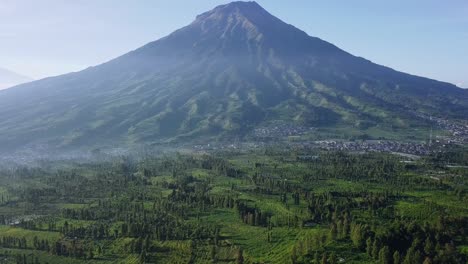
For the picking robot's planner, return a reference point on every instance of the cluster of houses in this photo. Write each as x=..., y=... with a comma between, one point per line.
x=376, y=145
x=281, y=130
x=458, y=130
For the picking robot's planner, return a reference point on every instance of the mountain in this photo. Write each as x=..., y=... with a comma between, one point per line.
x=233, y=69
x=9, y=78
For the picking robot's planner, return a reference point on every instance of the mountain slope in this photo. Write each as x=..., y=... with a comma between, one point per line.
x=234, y=68
x=9, y=78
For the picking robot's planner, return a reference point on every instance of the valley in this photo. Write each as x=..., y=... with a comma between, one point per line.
x=270, y=205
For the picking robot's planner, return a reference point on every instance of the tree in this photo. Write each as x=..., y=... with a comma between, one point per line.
x=333, y=232
x=375, y=249
x=413, y=256
x=428, y=247
x=316, y=258
x=340, y=229
x=333, y=258
x=396, y=257
x=369, y=247
x=427, y=261
x=293, y=255
x=324, y=258
x=409, y=256
x=240, y=256
x=214, y=259
x=384, y=255
x=417, y=257
x=356, y=235
x=143, y=256
x=346, y=227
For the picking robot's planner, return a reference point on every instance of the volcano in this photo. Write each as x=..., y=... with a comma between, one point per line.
x=232, y=70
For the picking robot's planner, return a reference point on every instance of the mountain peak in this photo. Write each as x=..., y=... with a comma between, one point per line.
x=241, y=4
x=234, y=7
x=249, y=10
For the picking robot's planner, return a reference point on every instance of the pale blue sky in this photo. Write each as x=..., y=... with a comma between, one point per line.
x=51, y=37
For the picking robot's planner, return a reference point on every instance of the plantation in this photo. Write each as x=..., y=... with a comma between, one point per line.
x=269, y=206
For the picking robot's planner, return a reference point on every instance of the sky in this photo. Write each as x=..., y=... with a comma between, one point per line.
x=51, y=37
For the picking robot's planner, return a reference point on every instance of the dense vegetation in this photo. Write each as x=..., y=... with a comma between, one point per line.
x=270, y=207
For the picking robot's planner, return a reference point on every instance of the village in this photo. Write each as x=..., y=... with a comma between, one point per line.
x=281, y=135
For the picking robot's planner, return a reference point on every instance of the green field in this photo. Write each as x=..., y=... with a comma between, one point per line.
x=235, y=207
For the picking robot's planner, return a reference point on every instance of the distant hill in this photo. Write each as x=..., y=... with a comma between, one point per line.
x=235, y=68
x=9, y=78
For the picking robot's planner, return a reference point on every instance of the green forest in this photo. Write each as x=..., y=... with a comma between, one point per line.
x=258, y=206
